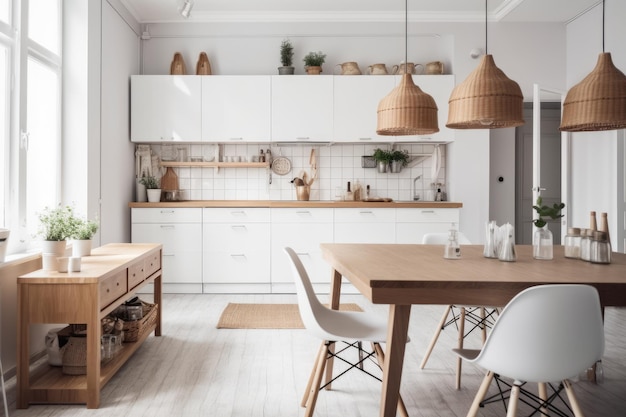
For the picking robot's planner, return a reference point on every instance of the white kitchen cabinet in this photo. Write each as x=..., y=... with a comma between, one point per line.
x=365, y=225
x=356, y=99
x=302, y=229
x=180, y=232
x=302, y=108
x=236, y=108
x=412, y=224
x=165, y=108
x=236, y=250
x=439, y=87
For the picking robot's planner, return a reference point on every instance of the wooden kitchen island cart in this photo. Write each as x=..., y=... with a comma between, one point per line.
x=110, y=276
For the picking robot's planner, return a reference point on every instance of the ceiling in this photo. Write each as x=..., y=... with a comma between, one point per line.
x=155, y=11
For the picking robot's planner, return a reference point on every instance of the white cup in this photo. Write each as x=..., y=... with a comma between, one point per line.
x=75, y=263
x=63, y=263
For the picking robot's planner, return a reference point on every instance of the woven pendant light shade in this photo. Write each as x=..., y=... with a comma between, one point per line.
x=487, y=99
x=407, y=110
x=598, y=102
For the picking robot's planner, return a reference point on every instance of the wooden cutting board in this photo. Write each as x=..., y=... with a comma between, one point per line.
x=169, y=181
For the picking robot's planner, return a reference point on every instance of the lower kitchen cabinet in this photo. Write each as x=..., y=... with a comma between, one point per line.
x=365, y=225
x=236, y=250
x=179, y=230
x=302, y=229
x=412, y=224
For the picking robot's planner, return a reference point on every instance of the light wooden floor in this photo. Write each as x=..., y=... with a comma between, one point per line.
x=195, y=369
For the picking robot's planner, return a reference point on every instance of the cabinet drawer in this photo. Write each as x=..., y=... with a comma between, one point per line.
x=152, y=264
x=240, y=268
x=236, y=237
x=113, y=287
x=302, y=215
x=166, y=215
x=365, y=215
x=175, y=237
x=236, y=214
x=136, y=273
x=427, y=215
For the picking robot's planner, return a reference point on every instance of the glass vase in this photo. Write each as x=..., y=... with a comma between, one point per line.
x=542, y=243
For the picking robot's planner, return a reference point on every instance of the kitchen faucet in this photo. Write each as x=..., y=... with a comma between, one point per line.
x=415, y=196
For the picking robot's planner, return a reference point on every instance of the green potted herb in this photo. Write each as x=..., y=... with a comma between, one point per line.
x=82, y=237
x=56, y=225
x=399, y=159
x=152, y=188
x=383, y=159
x=313, y=62
x=286, y=58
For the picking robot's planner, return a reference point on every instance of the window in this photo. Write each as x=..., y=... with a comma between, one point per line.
x=30, y=114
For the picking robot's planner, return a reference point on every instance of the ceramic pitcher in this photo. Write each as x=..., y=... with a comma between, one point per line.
x=349, y=68
x=411, y=68
x=378, y=69
x=435, y=67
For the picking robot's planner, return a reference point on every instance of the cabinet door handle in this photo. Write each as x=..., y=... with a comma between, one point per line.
x=167, y=254
x=364, y=139
x=239, y=213
x=303, y=138
x=239, y=227
x=234, y=139
x=167, y=211
x=428, y=211
x=168, y=226
x=239, y=256
x=369, y=213
x=303, y=213
x=303, y=254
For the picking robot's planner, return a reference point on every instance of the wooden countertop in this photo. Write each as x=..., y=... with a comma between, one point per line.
x=298, y=204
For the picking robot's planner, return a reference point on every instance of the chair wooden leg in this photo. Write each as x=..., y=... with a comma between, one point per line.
x=573, y=401
x=513, y=399
x=483, y=325
x=317, y=382
x=442, y=322
x=542, y=391
x=459, y=360
x=329, y=368
x=380, y=357
x=305, y=397
x=480, y=395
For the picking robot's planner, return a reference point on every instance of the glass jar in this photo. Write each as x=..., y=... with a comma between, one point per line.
x=600, y=248
x=585, y=245
x=572, y=243
x=542, y=243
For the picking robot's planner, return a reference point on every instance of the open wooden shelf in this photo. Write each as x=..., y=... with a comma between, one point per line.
x=216, y=164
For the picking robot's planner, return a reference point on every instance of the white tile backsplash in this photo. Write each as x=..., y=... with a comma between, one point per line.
x=337, y=164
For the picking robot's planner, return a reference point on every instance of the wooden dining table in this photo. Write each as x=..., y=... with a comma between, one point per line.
x=401, y=275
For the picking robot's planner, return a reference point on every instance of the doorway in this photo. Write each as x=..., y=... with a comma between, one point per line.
x=550, y=169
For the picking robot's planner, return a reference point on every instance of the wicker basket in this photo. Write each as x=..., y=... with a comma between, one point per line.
x=75, y=356
x=133, y=330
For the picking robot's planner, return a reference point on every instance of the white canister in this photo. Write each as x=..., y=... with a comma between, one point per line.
x=4, y=242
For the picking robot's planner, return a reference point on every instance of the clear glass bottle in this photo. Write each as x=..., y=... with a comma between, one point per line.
x=452, y=249
x=600, y=251
x=572, y=243
x=542, y=243
x=585, y=245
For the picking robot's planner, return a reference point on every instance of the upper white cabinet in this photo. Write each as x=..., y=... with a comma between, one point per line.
x=439, y=87
x=302, y=108
x=165, y=108
x=236, y=108
x=356, y=99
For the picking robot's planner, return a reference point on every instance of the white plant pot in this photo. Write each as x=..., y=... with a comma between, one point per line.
x=141, y=193
x=56, y=247
x=154, y=195
x=81, y=248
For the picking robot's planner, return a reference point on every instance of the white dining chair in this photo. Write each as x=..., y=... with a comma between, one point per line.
x=333, y=326
x=478, y=317
x=546, y=333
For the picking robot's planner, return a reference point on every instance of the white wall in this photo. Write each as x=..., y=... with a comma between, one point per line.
x=597, y=157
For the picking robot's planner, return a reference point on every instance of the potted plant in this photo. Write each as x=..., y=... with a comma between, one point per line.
x=399, y=159
x=542, y=238
x=152, y=188
x=82, y=236
x=313, y=62
x=286, y=58
x=55, y=227
x=383, y=158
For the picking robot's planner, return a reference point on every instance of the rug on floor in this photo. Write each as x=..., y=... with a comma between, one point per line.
x=266, y=316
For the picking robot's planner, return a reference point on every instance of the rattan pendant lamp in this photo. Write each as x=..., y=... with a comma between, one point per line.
x=487, y=99
x=407, y=110
x=598, y=102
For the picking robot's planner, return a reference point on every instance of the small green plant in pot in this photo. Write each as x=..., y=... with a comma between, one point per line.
x=82, y=237
x=399, y=159
x=286, y=58
x=56, y=225
x=313, y=62
x=542, y=238
x=383, y=159
x=152, y=188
